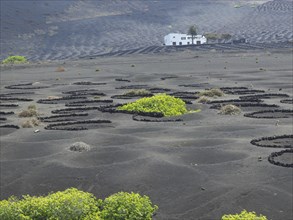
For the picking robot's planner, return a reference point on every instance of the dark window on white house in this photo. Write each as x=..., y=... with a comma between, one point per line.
x=183, y=38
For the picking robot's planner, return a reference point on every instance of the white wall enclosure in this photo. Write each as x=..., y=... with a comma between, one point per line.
x=175, y=39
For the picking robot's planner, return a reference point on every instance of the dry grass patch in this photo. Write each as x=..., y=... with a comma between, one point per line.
x=51, y=97
x=230, y=110
x=60, y=69
x=31, y=111
x=137, y=92
x=30, y=123
x=203, y=99
x=79, y=146
x=212, y=93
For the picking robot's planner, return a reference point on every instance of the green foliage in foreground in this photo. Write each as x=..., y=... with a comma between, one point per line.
x=122, y=206
x=244, y=215
x=69, y=204
x=161, y=103
x=15, y=60
x=74, y=204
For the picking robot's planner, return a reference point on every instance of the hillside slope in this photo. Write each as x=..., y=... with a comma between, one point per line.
x=70, y=29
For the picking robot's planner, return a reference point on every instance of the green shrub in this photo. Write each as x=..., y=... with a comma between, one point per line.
x=127, y=206
x=161, y=103
x=15, y=60
x=69, y=204
x=211, y=36
x=244, y=215
x=73, y=204
x=212, y=93
x=215, y=36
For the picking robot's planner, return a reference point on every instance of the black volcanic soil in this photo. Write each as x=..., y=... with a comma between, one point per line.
x=198, y=167
x=55, y=30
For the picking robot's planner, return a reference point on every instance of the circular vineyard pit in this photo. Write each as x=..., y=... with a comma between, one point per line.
x=282, y=158
x=283, y=113
x=283, y=141
x=79, y=125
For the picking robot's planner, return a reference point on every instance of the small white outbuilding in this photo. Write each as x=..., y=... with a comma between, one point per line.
x=175, y=39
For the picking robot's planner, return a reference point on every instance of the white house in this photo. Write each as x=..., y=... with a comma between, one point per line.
x=174, y=39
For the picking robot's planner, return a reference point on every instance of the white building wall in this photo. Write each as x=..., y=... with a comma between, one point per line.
x=175, y=39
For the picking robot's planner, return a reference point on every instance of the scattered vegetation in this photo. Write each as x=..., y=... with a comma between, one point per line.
x=78, y=205
x=230, y=110
x=26, y=124
x=203, y=99
x=31, y=111
x=132, y=65
x=15, y=60
x=32, y=107
x=123, y=205
x=161, y=103
x=30, y=123
x=80, y=146
x=244, y=215
x=215, y=36
x=35, y=122
x=97, y=70
x=212, y=93
x=137, y=92
x=237, y=6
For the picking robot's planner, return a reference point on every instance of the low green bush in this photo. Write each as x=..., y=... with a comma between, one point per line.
x=244, y=215
x=69, y=204
x=73, y=204
x=127, y=206
x=160, y=103
x=15, y=60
